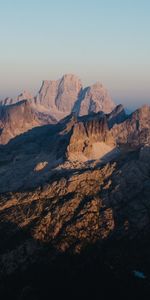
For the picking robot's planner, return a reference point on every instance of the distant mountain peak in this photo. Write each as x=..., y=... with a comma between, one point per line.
x=67, y=95
x=25, y=95
x=57, y=99
x=96, y=99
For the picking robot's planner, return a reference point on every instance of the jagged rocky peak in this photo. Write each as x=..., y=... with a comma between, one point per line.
x=117, y=116
x=135, y=130
x=25, y=95
x=47, y=93
x=16, y=119
x=90, y=139
x=61, y=97
x=67, y=95
x=140, y=118
x=143, y=116
x=69, y=89
x=60, y=94
x=7, y=101
x=118, y=109
x=96, y=98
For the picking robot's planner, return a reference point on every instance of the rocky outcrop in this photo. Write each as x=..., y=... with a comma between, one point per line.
x=18, y=118
x=25, y=95
x=7, y=101
x=90, y=140
x=135, y=130
x=96, y=98
x=117, y=116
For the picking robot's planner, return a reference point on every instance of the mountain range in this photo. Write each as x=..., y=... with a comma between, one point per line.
x=75, y=190
x=54, y=101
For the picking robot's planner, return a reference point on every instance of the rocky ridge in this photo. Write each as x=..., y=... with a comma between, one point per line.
x=18, y=118
x=78, y=183
x=74, y=207
x=76, y=141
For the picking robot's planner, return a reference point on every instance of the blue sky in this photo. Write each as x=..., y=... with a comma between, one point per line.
x=98, y=40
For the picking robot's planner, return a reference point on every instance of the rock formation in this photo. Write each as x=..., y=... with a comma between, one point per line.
x=60, y=96
x=18, y=118
x=70, y=205
x=90, y=140
x=96, y=98
x=56, y=100
x=25, y=95
x=74, y=195
x=118, y=115
x=135, y=130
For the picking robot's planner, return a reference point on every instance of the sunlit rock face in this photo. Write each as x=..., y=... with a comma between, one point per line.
x=18, y=118
x=68, y=95
x=59, y=96
x=90, y=140
x=135, y=130
x=96, y=98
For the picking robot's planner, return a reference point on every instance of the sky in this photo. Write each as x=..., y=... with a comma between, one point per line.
x=98, y=40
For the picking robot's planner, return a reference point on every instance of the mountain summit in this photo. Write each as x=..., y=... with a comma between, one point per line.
x=66, y=95
x=55, y=100
x=59, y=97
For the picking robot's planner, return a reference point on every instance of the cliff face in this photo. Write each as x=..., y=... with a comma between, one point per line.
x=134, y=131
x=18, y=118
x=94, y=138
x=90, y=140
x=59, y=96
x=117, y=116
x=15, y=119
x=96, y=98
